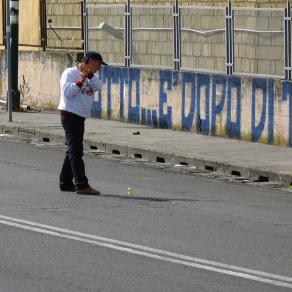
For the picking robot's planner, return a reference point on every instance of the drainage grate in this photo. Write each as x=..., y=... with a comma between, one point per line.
x=45, y=139
x=262, y=178
x=235, y=173
x=184, y=164
x=160, y=159
x=210, y=168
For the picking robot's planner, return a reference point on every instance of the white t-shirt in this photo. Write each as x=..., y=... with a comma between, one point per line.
x=75, y=99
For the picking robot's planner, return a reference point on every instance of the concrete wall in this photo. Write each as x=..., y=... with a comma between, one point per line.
x=238, y=107
x=39, y=77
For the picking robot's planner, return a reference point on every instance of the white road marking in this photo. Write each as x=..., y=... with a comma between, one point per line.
x=259, y=276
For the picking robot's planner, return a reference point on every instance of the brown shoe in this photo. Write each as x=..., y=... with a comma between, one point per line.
x=88, y=191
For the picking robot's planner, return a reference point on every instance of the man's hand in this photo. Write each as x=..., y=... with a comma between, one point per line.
x=84, y=71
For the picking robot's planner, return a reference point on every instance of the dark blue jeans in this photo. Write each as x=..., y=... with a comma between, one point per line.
x=73, y=166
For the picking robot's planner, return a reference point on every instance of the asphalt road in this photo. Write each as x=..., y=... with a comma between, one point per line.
x=176, y=233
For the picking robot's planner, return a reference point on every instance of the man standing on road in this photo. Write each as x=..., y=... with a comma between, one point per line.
x=78, y=85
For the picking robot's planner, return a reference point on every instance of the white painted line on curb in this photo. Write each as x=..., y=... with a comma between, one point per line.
x=198, y=263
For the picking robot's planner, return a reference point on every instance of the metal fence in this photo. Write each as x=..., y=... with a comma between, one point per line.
x=152, y=40
x=64, y=24
x=51, y=24
x=102, y=35
x=234, y=41
x=259, y=41
x=203, y=38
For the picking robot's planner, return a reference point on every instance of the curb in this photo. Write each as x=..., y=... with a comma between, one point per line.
x=212, y=164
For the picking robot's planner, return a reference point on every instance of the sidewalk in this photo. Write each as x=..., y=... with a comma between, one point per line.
x=250, y=160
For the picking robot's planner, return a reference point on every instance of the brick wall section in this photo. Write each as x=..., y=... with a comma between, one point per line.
x=254, y=52
x=259, y=52
x=237, y=3
x=65, y=15
x=112, y=48
x=204, y=51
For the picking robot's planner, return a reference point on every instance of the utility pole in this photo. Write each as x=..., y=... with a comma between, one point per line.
x=12, y=29
x=85, y=26
x=8, y=60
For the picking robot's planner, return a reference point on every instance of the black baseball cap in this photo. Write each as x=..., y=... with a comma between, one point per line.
x=95, y=56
